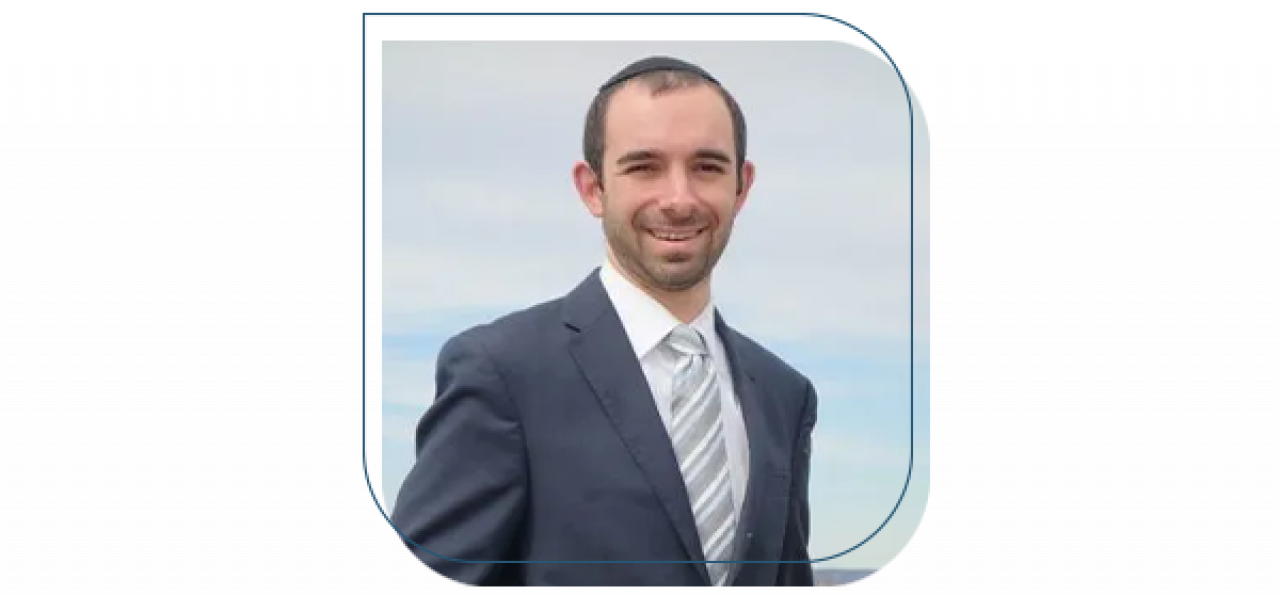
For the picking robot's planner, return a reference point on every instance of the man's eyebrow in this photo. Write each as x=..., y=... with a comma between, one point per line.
x=645, y=155
x=714, y=155
x=639, y=155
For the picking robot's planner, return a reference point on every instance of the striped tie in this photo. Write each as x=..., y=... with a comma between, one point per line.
x=698, y=438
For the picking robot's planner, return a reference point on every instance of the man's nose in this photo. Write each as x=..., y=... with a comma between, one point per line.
x=679, y=198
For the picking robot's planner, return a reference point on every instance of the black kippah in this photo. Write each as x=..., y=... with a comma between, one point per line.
x=653, y=63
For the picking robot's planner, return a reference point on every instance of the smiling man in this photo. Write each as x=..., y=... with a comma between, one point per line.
x=627, y=421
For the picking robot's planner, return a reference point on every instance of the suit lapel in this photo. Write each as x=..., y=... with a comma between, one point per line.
x=604, y=356
x=749, y=395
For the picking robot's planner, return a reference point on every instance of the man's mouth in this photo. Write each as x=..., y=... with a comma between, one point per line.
x=676, y=235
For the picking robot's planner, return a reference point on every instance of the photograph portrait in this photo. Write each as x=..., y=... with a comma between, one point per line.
x=652, y=313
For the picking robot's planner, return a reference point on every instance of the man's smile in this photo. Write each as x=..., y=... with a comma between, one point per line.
x=676, y=235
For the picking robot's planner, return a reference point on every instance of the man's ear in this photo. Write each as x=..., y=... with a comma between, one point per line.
x=748, y=178
x=589, y=188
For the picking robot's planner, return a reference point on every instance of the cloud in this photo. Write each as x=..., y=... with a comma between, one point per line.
x=479, y=211
x=408, y=382
x=852, y=451
x=398, y=430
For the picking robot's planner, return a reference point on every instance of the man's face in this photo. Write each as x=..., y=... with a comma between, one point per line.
x=670, y=184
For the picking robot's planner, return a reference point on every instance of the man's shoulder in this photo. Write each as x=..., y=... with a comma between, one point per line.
x=513, y=329
x=763, y=362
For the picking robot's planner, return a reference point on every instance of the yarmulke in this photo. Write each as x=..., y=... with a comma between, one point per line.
x=653, y=63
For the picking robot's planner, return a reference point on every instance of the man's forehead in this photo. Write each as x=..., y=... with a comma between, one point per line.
x=636, y=101
x=695, y=115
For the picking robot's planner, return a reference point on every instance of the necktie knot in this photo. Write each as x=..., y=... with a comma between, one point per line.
x=687, y=340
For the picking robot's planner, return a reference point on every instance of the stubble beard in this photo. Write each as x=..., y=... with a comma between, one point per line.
x=669, y=274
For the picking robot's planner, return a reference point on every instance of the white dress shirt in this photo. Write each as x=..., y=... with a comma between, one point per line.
x=647, y=324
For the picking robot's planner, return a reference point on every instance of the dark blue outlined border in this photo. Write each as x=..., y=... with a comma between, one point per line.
x=364, y=245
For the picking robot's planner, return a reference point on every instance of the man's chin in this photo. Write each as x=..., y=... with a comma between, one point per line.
x=681, y=276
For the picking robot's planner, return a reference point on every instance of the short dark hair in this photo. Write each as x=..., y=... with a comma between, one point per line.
x=658, y=82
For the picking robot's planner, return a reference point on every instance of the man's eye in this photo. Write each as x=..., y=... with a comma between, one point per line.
x=710, y=167
x=639, y=168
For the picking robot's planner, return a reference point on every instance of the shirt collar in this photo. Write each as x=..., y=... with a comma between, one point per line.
x=646, y=321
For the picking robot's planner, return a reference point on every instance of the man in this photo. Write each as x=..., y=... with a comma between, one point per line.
x=625, y=422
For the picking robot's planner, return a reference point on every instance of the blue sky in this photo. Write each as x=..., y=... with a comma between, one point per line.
x=478, y=141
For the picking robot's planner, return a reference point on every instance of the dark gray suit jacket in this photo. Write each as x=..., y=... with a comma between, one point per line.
x=544, y=447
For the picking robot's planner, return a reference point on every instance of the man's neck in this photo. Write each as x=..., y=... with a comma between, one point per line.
x=684, y=305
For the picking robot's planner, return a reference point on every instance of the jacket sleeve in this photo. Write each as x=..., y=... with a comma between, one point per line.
x=795, y=569
x=462, y=504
